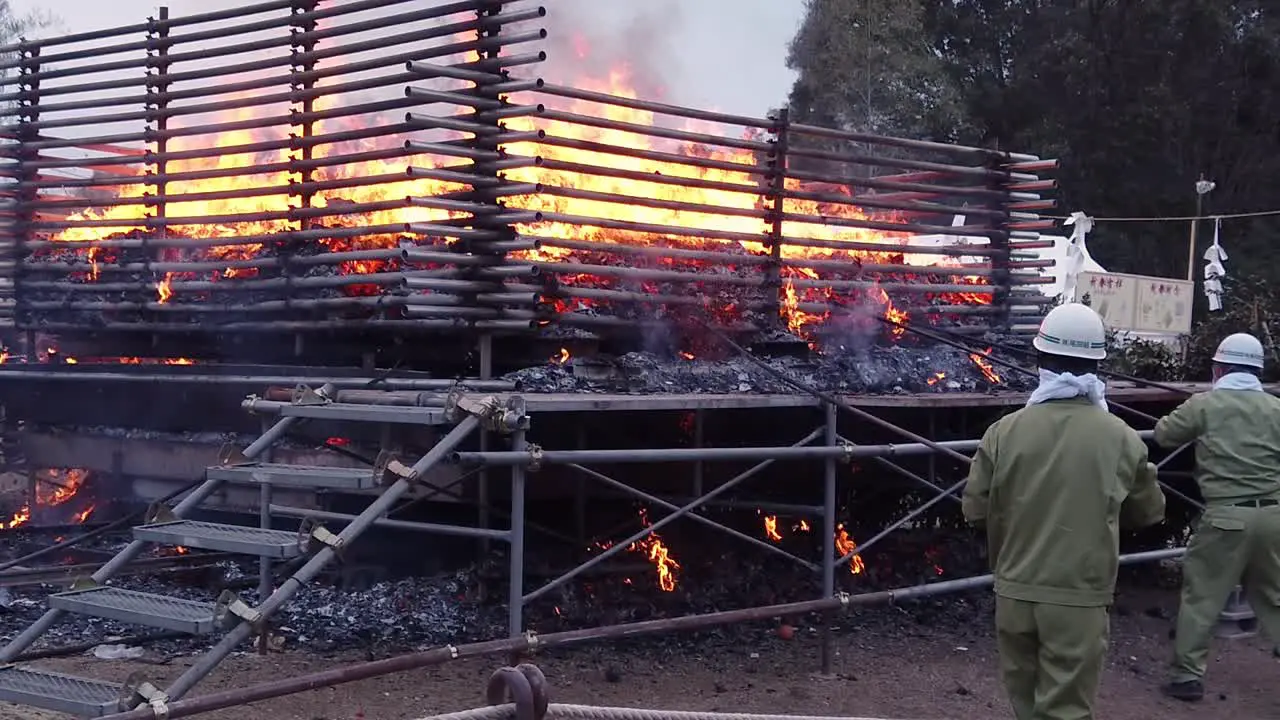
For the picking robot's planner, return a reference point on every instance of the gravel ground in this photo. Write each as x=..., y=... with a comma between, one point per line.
x=891, y=663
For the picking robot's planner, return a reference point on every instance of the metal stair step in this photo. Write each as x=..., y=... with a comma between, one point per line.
x=227, y=538
x=83, y=697
x=139, y=608
x=305, y=476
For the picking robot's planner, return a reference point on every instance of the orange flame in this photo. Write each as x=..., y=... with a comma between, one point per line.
x=181, y=550
x=846, y=545
x=802, y=526
x=658, y=554
x=742, y=205
x=21, y=517
x=771, y=528
x=561, y=357
x=937, y=378
x=83, y=515
x=984, y=365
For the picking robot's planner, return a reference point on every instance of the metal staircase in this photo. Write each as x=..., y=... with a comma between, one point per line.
x=229, y=614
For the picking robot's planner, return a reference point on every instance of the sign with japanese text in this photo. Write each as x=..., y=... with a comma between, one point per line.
x=1139, y=303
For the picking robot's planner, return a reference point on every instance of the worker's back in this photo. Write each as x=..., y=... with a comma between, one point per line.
x=1060, y=472
x=1237, y=434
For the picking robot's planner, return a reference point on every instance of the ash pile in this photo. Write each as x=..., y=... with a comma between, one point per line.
x=895, y=369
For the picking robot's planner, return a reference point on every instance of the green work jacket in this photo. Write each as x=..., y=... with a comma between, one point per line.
x=1053, y=483
x=1237, y=437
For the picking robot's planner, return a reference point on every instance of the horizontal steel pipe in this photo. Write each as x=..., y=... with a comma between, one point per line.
x=749, y=172
x=655, y=107
x=229, y=241
x=653, y=131
x=86, y=372
x=816, y=131
x=432, y=528
x=878, y=202
x=979, y=172
x=452, y=98
x=873, y=184
x=752, y=189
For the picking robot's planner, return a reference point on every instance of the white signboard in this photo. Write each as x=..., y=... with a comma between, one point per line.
x=1138, y=303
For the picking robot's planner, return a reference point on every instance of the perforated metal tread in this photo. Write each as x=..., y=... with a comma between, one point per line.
x=83, y=697
x=139, y=608
x=307, y=476
x=227, y=538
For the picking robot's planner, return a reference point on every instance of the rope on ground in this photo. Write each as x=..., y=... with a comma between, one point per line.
x=559, y=711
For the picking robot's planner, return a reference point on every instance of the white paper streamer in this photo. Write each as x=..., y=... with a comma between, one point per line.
x=1214, y=270
x=1076, y=253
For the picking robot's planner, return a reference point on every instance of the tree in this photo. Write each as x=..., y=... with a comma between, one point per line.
x=865, y=65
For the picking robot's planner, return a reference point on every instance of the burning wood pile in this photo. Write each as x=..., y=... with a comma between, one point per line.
x=238, y=200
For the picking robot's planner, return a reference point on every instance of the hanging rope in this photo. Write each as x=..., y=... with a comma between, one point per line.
x=1176, y=218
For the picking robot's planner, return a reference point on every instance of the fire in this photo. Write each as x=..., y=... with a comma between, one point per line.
x=657, y=553
x=732, y=205
x=802, y=526
x=561, y=357
x=686, y=355
x=937, y=378
x=19, y=518
x=984, y=365
x=771, y=528
x=846, y=545
x=53, y=487
x=181, y=550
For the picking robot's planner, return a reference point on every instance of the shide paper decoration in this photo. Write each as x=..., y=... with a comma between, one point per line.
x=1076, y=253
x=1214, y=270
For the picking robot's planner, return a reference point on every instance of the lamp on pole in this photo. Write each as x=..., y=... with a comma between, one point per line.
x=1203, y=187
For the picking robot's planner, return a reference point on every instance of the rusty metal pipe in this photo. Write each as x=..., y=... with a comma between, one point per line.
x=747, y=171
x=978, y=172
x=194, y=243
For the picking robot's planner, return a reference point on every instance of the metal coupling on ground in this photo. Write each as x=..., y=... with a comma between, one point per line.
x=535, y=457
x=137, y=690
x=494, y=414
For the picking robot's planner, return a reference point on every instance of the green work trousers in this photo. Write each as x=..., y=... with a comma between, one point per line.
x=1051, y=657
x=1231, y=546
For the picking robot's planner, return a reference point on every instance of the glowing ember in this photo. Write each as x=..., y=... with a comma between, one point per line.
x=55, y=486
x=802, y=526
x=937, y=378
x=561, y=357
x=846, y=545
x=181, y=550
x=83, y=515
x=685, y=355
x=984, y=365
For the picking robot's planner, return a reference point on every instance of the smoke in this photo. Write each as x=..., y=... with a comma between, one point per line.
x=592, y=39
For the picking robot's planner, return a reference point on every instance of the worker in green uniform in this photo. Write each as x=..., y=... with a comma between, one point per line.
x=1236, y=429
x=1052, y=483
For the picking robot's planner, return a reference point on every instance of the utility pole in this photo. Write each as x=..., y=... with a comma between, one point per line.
x=1203, y=187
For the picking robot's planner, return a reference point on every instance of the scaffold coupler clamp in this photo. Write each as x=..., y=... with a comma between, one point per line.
x=388, y=469
x=494, y=414
x=530, y=641
x=137, y=690
x=304, y=395
x=230, y=607
x=844, y=599
x=535, y=457
x=311, y=531
x=847, y=448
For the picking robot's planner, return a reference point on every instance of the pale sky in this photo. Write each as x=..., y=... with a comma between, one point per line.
x=725, y=55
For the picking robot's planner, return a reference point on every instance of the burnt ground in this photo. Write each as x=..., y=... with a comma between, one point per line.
x=891, y=663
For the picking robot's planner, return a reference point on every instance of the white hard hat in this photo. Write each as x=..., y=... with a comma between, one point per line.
x=1240, y=349
x=1072, y=330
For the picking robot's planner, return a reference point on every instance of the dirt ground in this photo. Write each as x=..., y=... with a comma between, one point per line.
x=903, y=668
